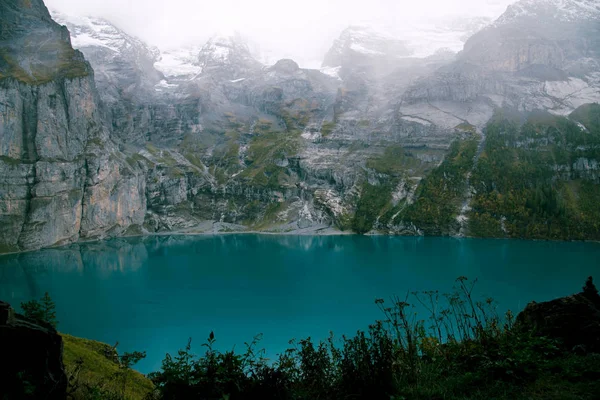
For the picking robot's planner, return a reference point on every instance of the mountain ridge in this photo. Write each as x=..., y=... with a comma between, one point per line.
x=228, y=144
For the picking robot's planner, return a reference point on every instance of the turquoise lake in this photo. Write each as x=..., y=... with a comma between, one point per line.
x=154, y=293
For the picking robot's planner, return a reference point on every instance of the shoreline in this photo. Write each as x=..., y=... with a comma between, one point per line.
x=311, y=231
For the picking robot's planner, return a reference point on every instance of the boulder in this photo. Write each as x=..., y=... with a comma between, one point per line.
x=573, y=320
x=286, y=66
x=31, y=364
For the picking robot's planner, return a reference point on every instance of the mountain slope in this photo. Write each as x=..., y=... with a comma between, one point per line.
x=540, y=54
x=376, y=141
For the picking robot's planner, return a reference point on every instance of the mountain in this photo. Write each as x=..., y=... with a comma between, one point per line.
x=497, y=140
x=540, y=54
x=227, y=56
x=123, y=66
x=62, y=178
x=358, y=45
x=121, y=62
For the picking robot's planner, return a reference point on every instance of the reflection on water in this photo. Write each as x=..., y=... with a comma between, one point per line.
x=153, y=293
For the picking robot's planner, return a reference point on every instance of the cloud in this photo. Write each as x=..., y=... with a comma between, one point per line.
x=302, y=30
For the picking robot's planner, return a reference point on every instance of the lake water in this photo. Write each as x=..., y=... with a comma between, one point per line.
x=153, y=293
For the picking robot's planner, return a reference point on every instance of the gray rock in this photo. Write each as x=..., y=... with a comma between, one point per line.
x=63, y=179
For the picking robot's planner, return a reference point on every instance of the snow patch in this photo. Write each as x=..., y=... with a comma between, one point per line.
x=164, y=84
x=179, y=63
x=86, y=40
x=334, y=72
x=308, y=135
x=362, y=49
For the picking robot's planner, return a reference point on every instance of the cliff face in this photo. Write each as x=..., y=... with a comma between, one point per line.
x=539, y=55
x=61, y=177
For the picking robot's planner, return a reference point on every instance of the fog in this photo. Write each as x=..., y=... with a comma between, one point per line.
x=302, y=30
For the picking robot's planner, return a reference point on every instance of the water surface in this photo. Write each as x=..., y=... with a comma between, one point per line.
x=153, y=293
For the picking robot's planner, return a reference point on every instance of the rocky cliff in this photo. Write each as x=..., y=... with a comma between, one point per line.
x=62, y=178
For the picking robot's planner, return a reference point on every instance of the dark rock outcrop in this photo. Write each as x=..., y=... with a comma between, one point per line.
x=31, y=365
x=573, y=320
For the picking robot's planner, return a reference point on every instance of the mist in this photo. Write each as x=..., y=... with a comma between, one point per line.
x=302, y=31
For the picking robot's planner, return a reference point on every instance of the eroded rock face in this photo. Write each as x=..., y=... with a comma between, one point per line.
x=573, y=320
x=31, y=353
x=539, y=55
x=62, y=178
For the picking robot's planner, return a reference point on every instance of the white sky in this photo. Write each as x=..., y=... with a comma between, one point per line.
x=302, y=30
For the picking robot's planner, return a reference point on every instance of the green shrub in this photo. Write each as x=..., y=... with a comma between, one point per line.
x=43, y=310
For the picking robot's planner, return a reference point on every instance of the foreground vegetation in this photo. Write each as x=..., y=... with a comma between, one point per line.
x=462, y=350
x=95, y=370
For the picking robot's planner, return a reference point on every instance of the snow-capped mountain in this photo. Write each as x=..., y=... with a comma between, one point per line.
x=227, y=56
x=98, y=32
x=426, y=38
x=539, y=55
x=559, y=34
x=559, y=10
x=360, y=44
x=123, y=64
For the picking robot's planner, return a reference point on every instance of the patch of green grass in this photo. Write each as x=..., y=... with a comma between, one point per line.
x=263, y=151
x=99, y=367
x=373, y=202
x=194, y=159
x=466, y=127
x=588, y=115
x=364, y=123
x=134, y=159
x=263, y=126
x=10, y=161
x=270, y=215
x=152, y=149
x=69, y=64
x=394, y=161
x=327, y=127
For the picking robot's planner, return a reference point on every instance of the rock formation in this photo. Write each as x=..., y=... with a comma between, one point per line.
x=62, y=177
x=32, y=364
x=573, y=320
